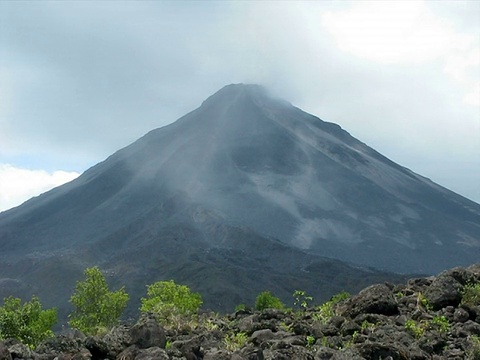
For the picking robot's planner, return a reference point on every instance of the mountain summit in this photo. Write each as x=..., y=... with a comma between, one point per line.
x=245, y=184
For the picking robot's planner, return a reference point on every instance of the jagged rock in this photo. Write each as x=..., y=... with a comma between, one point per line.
x=152, y=353
x=443, y=292
x=60, y=345
x=218, y=355
x=129, y=353
x=461, y=315
x=192, y=348
x=375, y=299
x=261, y=336
x=380, y=351
x=4, y=353
x=368, y=327
x=251, y=353
x=249, y=324
x=294, y=352
x=148, y=333
x=98, y=348
x=18, y=350
x=325, y=353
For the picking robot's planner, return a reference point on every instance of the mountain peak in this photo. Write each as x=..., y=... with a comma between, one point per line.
x=235, y=92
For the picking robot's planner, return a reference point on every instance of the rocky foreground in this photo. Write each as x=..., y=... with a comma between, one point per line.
x=427, y=318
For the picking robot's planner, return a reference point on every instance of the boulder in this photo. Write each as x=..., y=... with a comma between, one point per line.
x=147, y=333
x=4, y=353
x=375, y=299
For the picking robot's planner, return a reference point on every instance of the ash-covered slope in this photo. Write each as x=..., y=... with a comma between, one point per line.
x=238, y=181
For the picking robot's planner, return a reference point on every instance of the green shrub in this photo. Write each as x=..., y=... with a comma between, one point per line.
x=96, y=308
x=325, y=311
x=441, y=322
x=28, y=322
x=265, y=300
x=474, y=350
x=240, y=307
x=236, y=341
x=416, y=329
x=310, y=341
x=171, y=302
x=471, y=294
x=301, y=299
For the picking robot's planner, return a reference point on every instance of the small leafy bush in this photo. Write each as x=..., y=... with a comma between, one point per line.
x=236, y=341
x=310, y=341
x=265, y=300
x=471, y=294
x=474, y=351
x=441, y=322
x=172, y=303
x=27, y=322
x=96, y=308
x=240, y=307
x=417, y=329
x=302, y=299
x=325, y=311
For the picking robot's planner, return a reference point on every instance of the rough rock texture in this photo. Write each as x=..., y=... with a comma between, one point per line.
x=419, y=320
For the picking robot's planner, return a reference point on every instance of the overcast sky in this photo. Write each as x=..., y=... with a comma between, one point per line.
x=80, y=80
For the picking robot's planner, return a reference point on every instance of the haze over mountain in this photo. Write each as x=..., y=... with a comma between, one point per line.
x=244, y=193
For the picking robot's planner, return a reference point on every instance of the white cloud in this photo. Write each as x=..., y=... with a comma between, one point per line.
x=407, y=33
x=18, y=185
x=400, y=32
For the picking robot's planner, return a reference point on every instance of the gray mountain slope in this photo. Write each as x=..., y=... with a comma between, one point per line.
x=243, y=174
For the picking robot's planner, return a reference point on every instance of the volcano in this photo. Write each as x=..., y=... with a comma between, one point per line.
x=243, y=194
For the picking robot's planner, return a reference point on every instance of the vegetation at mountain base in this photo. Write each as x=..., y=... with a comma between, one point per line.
x=97, y=308
x=424, y=319
x=265, y=300
x=302, y=300
x=235, y=341
x=26, y=322
x=172, y=303
x=325, y=311
x=471, y=294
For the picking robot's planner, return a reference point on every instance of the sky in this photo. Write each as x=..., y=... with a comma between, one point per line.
x=82, y=79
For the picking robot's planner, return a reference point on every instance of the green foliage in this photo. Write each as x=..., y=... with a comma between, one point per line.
x=286, y=327
x=28, y=322
x=474, y=350
x=366, y=325
x=471, y=294
x=422, y=301
x=311, y=341
x=441, y=322
x=240, y=307
x=234, y=341
x=341, y=296
x=302, y=299
x=325, y=311
x=265, y=300
x=171, y=302
x=96, y=308
x=416, y=329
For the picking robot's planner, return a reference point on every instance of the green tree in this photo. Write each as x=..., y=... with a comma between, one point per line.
x=96, y=308
x=26, y=322
x=170, y=301
x=265, y=300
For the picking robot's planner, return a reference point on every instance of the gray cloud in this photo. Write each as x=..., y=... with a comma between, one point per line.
x=79, y=80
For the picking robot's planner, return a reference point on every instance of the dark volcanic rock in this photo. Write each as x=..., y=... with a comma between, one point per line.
x=409, y=331
x=376, y=299
x=4, y=353
x=147, y=333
